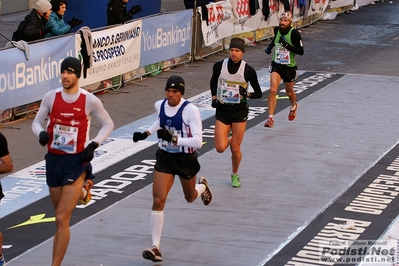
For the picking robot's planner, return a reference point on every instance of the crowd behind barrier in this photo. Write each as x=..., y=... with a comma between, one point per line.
x=139, y=48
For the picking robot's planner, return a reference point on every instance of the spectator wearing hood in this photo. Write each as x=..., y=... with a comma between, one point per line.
x=56, y=21
x=117, y=12
x=36, y=21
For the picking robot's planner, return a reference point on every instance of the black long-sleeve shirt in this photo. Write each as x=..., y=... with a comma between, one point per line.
x=249, y=75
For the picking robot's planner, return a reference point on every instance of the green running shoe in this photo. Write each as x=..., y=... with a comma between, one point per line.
x=235, y=180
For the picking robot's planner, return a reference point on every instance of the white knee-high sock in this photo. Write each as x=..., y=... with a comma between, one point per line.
x=200, y=188
x=157, y=220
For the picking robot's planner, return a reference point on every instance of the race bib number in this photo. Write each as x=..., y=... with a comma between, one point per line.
x=229, y=92
x=282, y=56
x=65, y=138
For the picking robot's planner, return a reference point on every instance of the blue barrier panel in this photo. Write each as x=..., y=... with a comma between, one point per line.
x=94, y=13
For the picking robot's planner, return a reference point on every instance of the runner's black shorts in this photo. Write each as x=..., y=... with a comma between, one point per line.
x=185, y=165
x=288, y=74
x=232, y=113
x=64, y=169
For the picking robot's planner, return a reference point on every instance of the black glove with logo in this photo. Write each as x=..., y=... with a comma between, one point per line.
x=215, y=103
x=88, y=153
x=74, y=22
x=268, y=50
x=283, y=41
x=43, y=138
x=165, y=135
x=135, y=9
x=243, y=91
x=139, y=136
x=46, y=30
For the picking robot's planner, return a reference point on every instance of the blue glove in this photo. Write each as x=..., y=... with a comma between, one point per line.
x=283, y=41
x=268, y=50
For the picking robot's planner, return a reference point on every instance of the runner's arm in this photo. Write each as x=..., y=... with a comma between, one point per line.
x=296, y=40
x=251, y=77
x=217, y=67
x=103, y=117
x=192, y=115
x=45, y=108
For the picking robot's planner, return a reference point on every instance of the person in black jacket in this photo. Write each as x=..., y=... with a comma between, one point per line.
x=117, y=12
x=36, y=21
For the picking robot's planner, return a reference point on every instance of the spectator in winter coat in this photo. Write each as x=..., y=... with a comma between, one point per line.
x=36, y=21
x=56, y=20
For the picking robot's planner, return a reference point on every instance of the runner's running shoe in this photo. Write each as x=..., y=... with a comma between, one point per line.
x=292, y=114
x=2, y=261
x=153, y=254
x=235, y=180
x=269, y=122
x=87, y=185
x=206, y=196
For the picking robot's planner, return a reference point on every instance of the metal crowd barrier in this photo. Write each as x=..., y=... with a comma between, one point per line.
x=198, y=51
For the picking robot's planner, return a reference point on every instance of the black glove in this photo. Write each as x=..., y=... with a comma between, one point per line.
x=135, y=9
x=46, y=30
x=283, y=41
x=268, y=50
x=88, y=153
x=165, y=135
x=139, y=136
x=215, y=103
x=243, y=91
x=43, y=138
x=74, y=22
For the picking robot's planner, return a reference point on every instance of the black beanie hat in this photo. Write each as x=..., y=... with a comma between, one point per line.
x=238, y=43
x=175, y=82
x=72, y=64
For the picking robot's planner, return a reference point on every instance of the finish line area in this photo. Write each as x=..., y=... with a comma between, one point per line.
x=328, y=175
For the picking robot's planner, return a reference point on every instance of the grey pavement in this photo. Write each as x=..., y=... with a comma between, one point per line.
x=306, y=164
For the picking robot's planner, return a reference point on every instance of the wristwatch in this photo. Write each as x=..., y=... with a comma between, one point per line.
x=174, y=140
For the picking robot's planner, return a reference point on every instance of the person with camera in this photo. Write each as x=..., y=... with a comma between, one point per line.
x=35, y=27
x=117, y=12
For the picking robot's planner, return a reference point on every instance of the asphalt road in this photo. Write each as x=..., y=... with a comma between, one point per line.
x=364, y=41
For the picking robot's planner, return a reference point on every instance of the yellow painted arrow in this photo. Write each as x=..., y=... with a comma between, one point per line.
x=278, y=97
x=36, y=219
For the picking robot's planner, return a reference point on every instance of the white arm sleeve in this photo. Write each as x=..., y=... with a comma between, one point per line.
x=96, y=107
x=192, y=117
x=45, y=107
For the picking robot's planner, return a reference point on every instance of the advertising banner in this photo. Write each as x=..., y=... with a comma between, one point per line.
x=228, y=18
x=115, y=51
x=25, y=76
x=165, y=37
